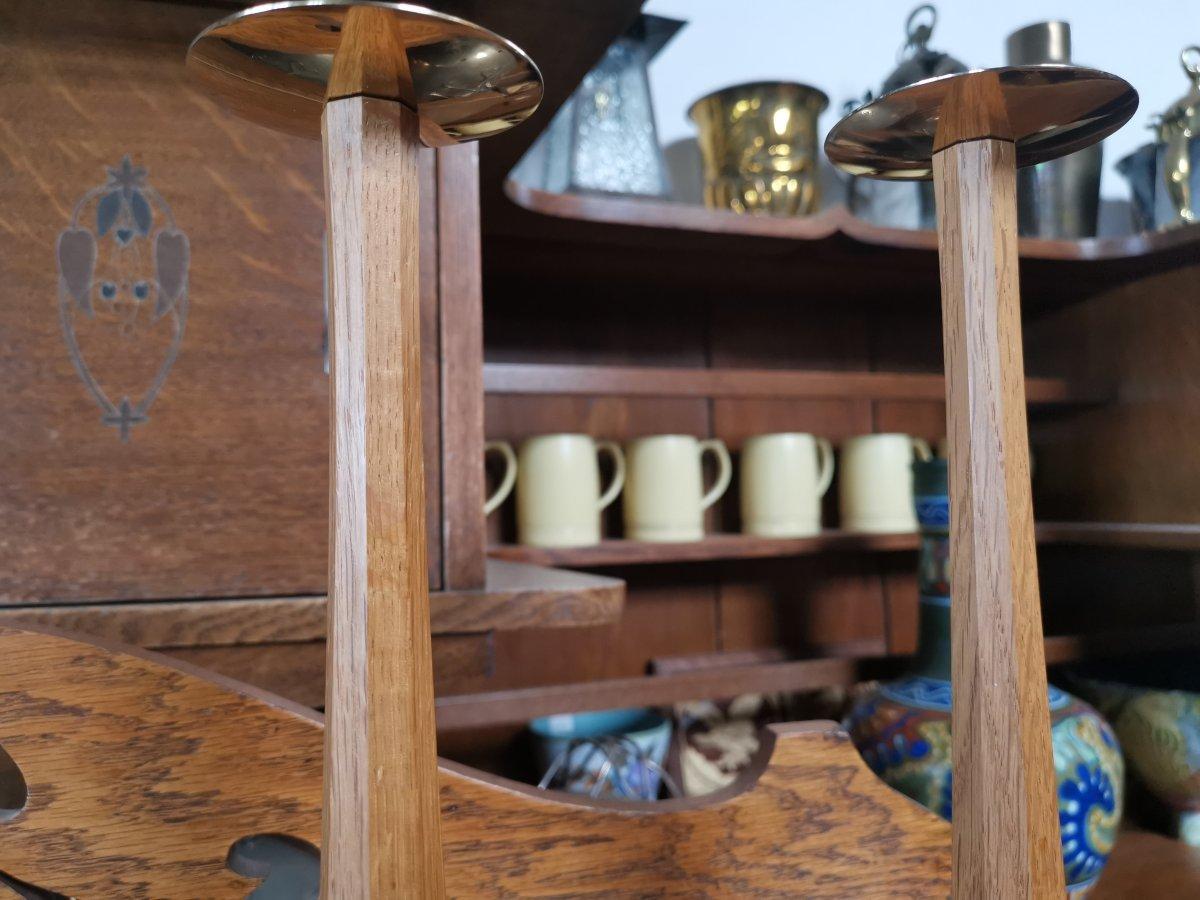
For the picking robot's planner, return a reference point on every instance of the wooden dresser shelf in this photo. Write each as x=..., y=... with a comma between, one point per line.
x=703, y=246
x=726, y=676
x=715, y=547
x=516, y=595
x=662, y=381
x=1133, y=535
x=711, y=548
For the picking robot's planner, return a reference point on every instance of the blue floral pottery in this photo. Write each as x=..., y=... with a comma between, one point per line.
x=902, y=728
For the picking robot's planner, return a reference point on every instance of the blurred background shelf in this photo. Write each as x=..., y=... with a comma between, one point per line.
x=666, y=381
x=722, y=676
x=639, y=240
x=710, y=548
x=1182, y=537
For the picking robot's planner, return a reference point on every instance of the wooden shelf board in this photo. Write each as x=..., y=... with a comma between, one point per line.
x=739, y=546
x=697, y=680
x=713, y=547
x=517, y=595
x=829, y=222
x=648, y=381
x=1134, y=535
x=689, y=250
x=1148, y=865
x=522, y=704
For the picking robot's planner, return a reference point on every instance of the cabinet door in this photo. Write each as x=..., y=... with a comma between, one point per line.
x=163, y=393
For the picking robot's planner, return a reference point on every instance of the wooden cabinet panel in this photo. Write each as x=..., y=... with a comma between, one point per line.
x=221, y=487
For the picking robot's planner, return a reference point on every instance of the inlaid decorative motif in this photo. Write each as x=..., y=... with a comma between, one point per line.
x=902, y=730
x=122, y=294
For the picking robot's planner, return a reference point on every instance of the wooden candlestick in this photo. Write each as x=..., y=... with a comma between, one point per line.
x=351, y=67
x=971, y=132
x=1005, y=802
x=379, y=686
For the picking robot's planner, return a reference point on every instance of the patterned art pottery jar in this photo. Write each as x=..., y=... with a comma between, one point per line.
x=1154, y=706
x=902, y=728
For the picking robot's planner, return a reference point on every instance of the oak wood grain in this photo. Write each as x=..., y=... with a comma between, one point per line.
x=144, y=773
x=381, y=824
x=1006, y=833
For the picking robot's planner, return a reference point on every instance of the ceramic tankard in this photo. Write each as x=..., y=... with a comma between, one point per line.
x=783, y=478
x=558, y=489
x=504, y=448
x=876, y=487
x=664, y=496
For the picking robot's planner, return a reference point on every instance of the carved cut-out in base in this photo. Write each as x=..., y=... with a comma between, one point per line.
x=289, y=867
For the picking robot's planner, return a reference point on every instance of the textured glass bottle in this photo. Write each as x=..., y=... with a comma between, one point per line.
x=902, y=728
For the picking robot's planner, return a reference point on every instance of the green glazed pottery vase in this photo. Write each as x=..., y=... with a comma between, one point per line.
x=1154, y=705
x=902, y=728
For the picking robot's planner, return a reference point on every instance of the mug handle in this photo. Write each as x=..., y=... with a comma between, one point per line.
x=921, y=448
x=504, y=448
x=618, y=481
x=824, y=466
x=724, y=470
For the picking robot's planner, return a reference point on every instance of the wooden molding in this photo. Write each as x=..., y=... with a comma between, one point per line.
x=515, y=596
x=650, y=381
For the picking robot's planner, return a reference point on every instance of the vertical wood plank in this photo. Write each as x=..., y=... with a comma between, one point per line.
x=431, y=368
x=381, y=823
x=1005, y=830
x=460, y=283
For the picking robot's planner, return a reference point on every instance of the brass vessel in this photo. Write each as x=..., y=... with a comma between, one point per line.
x=759, y=145
x=1179, y=134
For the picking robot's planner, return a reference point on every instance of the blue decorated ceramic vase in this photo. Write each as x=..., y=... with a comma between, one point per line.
x=902, y=728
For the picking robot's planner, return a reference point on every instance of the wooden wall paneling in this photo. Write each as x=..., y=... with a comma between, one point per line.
x=1090, y=589
x=668, y=610
x=900, y=598
x=1132, y=460
x=222, y=491
x=804, y=604
x=820, y=600
x=461, y=297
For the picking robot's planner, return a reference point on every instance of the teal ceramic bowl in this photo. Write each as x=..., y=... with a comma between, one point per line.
x=649, y=731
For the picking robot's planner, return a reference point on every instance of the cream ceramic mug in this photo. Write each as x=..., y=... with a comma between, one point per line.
x=876, y=485
x=558, y=489
x=504, y=448
x=783, y=478
x=664, y=493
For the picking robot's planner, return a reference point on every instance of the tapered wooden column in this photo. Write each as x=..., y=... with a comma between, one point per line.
x=291, y=64
x=381, y=828
x=1006, y=832
x=970, y=132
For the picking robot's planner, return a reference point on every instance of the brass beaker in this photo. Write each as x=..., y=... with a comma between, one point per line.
x=759, y=145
